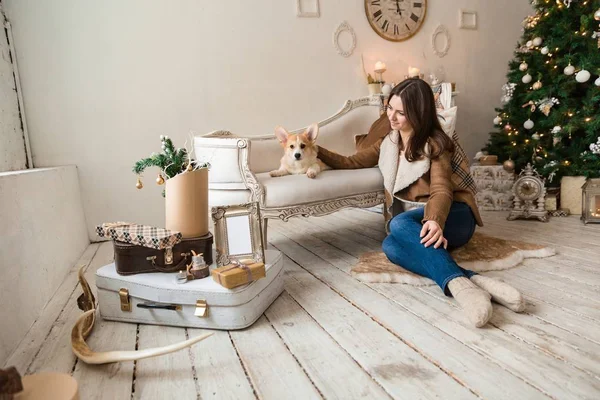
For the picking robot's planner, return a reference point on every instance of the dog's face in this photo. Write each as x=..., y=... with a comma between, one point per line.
x=299, y=147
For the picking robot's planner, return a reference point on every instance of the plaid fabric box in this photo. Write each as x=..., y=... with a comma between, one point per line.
x=142, y=235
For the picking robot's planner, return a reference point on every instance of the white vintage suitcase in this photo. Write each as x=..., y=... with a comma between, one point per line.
x=156, y=298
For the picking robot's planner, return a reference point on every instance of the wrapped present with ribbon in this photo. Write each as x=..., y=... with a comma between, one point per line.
x=239, y=273
x=142, y=235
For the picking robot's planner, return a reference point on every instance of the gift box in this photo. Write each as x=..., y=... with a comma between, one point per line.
x=238, y=273
x=142, y=235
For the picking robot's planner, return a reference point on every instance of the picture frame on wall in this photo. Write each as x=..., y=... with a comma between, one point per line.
x=307, y=8
x=238, y=233
x=467, y=19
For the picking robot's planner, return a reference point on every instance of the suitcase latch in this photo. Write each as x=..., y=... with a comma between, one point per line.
x=124, y=296
x=169, y=256
x=201, y=309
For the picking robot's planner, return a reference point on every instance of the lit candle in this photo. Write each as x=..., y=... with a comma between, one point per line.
x=379, y=66
x=413, y=72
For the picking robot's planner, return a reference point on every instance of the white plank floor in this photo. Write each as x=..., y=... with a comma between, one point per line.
x=331, y=336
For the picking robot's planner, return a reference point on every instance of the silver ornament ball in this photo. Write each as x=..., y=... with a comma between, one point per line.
x=497, y=121
x=569, y=70
x=597, y=15
x=582, y=76
x=526, y=78
x=537, y=41
x=509, y=165
x=535, y=136
x=597, y=81
x=528, y=124
x=545, y=50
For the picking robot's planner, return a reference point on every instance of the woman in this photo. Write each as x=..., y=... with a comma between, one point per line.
x=428, y=194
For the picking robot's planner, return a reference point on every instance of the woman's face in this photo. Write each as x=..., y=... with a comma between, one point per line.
x=395, y=113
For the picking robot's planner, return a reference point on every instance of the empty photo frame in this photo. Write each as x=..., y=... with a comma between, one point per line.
x=238, y=233
x=467, y=19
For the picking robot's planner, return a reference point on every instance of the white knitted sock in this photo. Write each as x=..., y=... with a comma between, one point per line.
x=501, y=292
x=474, y=301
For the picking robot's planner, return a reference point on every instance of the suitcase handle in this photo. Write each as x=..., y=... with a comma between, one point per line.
x=171, y=268
x=174, y=307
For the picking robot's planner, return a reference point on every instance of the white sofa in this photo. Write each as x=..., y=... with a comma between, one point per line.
x=240, y=168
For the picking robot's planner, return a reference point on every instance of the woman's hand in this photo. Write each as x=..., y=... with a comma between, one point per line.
x=432, y=233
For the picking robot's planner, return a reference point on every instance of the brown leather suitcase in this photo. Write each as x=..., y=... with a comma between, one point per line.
x=134, y=259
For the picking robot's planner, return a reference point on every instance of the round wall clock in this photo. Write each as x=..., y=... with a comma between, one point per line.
x=396, y=20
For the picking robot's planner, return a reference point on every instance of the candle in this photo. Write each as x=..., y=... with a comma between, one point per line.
x=379, y=66
x=413, y=72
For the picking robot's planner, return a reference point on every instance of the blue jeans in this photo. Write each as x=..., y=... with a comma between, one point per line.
x=403, y=245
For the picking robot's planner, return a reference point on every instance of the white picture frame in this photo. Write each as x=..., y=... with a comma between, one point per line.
x=440, y=50
x=344, y=27
x=238, y=233
x=467, y=19
x=308, y=9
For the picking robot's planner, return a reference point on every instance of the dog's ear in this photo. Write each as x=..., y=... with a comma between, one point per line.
x=282, y=134
x=312, y=132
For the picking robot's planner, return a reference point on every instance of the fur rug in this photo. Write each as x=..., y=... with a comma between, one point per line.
x=482, y=253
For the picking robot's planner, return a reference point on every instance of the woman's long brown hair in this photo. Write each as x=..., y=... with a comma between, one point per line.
x=419, y=109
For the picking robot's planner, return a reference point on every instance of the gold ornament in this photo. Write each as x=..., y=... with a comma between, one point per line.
x=509, y=165
x=139, y=184
x=190, y=167
x=537, y=85
x=160, y=180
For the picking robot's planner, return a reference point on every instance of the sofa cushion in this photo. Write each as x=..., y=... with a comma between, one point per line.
x=297, y=189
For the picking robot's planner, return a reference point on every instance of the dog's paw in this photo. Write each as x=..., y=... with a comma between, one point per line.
x=311, y=174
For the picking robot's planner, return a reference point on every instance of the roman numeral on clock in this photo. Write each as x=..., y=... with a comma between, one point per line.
x=417, y=5
x=385, y=25
x=414, y=17
x=377, y=14
x=396, y=30
x=376, y=3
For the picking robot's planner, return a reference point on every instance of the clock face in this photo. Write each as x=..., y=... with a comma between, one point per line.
x=396, y=20
x=528, y=188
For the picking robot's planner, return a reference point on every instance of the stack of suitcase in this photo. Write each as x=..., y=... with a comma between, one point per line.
x=141, y=286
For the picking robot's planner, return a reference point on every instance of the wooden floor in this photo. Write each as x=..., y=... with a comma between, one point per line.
x=331, y=336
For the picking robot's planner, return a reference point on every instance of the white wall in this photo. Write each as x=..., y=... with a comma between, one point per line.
x=12, y=143
x=43, y=234
x=103, y=79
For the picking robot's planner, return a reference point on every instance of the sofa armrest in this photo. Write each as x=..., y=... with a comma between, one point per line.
x=228, y=156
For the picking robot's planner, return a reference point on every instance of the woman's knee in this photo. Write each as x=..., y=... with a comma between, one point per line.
x=403, y=223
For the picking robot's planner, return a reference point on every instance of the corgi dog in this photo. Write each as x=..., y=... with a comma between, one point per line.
x=299, y=153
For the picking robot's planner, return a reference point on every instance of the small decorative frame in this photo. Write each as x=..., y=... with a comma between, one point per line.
x=344, y=27
x=440, y=30
x=300, y=9
x=238, y=233
x=467, y=19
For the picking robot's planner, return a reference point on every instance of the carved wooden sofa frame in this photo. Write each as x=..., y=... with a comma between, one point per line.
x=231, y=172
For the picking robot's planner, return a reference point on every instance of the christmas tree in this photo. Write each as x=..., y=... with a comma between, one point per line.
x=550, y=115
